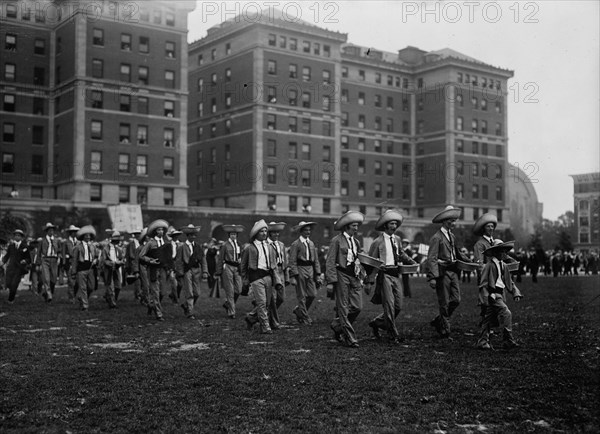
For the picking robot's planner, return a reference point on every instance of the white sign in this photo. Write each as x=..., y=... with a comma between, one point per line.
x=126, y=218
x=423, y=249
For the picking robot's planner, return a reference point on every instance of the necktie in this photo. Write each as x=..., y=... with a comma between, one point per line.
x=265, y=253
x=394, y=250
x=351, y=243
x=52, y=253
x=192, y=248
x=452, y=254
x=159, y=242
x=235, y=251
x=308, y=258
x=86, y=254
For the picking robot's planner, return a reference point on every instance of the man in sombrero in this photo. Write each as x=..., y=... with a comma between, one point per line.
x=387, y=247
x=483, y=228
x=259, y=270
x=341, y=273
x=18, y=261
x=48, y=261
x=173, y=283
x=495, y=281
x=140, y=268
x=274, y=230
x=228, y=268
x=442, y=268
x=155, y=254
x=130, y=257
x=112, y=259
x=67, y=253
x=83, y=261
x=305, y=271
x=190, y=265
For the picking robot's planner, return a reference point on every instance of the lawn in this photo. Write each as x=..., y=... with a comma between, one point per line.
x=104, y=370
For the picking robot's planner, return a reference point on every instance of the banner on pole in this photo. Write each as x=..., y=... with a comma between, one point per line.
x=126, y=218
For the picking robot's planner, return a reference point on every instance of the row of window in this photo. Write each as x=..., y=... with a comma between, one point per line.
x=478, y=126
x=395, y=81
x=479, y=148
x=127, y=13
x=214, y=53
x=9, y=165
x=361, y=190
x=306, y=203
x=125, y=194
x=126, y=43
x=9, y=133
x=308, y=47
x=292, y=126
x=472, y=79
x=10, y=44
x=305, y=151
x=125, y=165
x=143, y=76
x=293, y=72
x=125, y=134
x=377, y=145
x=478, y=104
x=477, y=192
x=377, y=123
x=377, y=100
x=476, y=169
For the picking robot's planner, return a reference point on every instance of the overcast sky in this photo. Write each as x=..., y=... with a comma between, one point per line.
x=552, y=47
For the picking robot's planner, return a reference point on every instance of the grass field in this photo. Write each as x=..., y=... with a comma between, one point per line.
x=62, y=370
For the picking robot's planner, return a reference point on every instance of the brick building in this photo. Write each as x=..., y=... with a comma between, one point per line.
x=94, y=102
x=290, y=117
x=586, y=198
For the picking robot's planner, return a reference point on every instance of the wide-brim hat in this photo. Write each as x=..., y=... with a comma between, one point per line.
x=499, y=246
x=347, y=219
x=389, y=216
x=406, y=240
x=190, y=229
x=72, y=228
x=261, y=224
x=89, y=229
x=172, y=232
x=135, y=231
x=49, y=226
x=486, y=218
x=276, y=227
x=20, y=232
x=143, y=234
x=152, y=227
x=116, y=235
x=233, y=228
x=302, y=224
x=449, y=212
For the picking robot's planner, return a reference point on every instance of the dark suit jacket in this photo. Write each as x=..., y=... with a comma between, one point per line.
x=439, y=255
x=43, y=249
x=249, y=263
x=67, y=250
x=105, y=256
x=298, y=251
x=185, y=259
x=79, y=255
x=480, y=246
x=14, y=256
x=487, y=283
x=337, y=255
x=285, y=260
x=226, y=253
x=378, y=250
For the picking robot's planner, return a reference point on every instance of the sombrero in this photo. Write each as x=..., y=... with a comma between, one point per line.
x=20, y=232
x=348, y=218
x=135, y=231
x=72, y=228
x=152, y=227
x=49, y=226
x=302, y=224
x=276, y=227
x=499, y=246
x=389, y=216
x=190, y=229
x=172, y=232
x=116, y=235
x=89, y=229
x=406, y=240
x=143, y=234
x=449, y=212
x=233, y=228
x=486, y=218
x=261, y=224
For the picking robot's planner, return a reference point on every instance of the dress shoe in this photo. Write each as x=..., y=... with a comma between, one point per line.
x=485, y=346
x=337, y=335
x=160, y=318
x=267, y=332
x=376, y=333
x=225, y=306
x=353, y=344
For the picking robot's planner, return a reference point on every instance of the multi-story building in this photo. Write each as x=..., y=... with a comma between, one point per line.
x=94, y=101
x=525, y=210
x=586, y=197
x=289, y=117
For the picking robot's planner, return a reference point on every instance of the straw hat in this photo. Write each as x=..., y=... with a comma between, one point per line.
x=20, y=232
x=261, y=224
x=89, y=229
x=348, y=218
x=49, y=226
x=276, y=227
x=172, y=232
x=190, y=229
x=143, y=234
x=449, y=212
x=499, y=246
x=389, y=216
x=72, y=228
x=233, y=228
x=484, y=220
x=135, y=231
x=152, y=227
x=302, y=224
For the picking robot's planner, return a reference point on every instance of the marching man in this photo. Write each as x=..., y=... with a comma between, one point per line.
x=67, y=253
x=48, y=260
x=343, y=276
x=228, y=267
x=190, y=265
x=18, y=260
x=155, y=254
x=282, y=270
x=387, y=248
x=83, y=261
x=112, y=259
